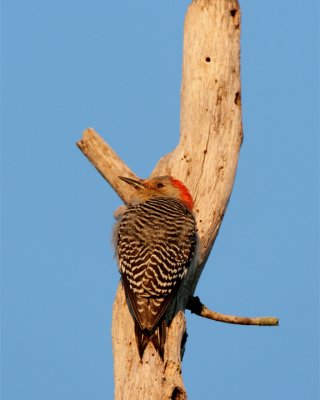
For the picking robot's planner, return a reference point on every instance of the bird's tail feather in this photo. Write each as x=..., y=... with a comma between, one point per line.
x=157, y=337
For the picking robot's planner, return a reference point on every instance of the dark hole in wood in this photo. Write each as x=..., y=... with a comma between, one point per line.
x=237, y=99
x=176, y=394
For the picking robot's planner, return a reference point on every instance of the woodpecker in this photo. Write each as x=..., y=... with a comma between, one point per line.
x=155, y=247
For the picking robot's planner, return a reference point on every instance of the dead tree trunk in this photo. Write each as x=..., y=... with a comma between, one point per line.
x=205, y=160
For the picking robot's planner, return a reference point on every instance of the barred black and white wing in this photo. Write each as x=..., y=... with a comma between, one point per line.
x=156, y=244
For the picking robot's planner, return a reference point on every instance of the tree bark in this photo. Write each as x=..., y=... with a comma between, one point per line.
x=205, y=160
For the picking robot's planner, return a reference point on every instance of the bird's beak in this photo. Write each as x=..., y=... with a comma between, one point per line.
x=132, y=182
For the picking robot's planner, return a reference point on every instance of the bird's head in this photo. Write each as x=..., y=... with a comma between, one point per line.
x=160, y=186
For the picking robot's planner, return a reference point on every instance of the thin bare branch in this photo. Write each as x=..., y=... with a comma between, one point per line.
x=196, y=307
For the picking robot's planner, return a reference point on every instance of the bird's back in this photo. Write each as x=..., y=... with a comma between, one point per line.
x=156, y=243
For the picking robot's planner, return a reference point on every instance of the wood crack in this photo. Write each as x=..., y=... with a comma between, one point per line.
x=205, y=151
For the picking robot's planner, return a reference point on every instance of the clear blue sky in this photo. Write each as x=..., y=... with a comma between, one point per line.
x=116, y=66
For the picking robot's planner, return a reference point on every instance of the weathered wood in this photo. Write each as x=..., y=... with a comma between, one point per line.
x=205, y=160
x=107, y=162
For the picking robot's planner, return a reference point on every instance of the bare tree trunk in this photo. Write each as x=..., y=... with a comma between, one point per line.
x=205, y=160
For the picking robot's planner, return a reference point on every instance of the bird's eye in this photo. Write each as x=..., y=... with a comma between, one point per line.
x=159, y=185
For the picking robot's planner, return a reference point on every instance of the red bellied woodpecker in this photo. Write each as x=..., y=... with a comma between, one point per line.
x=155, y=246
